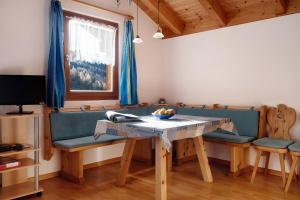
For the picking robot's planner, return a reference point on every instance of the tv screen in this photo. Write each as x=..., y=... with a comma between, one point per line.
x=22, y=89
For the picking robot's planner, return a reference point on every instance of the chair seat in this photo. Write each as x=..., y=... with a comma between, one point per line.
x=227, y=137
x=85, y=141
x=273, y=143
x=295, y=147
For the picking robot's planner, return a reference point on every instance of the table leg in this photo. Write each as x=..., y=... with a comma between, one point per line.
x=126, y=161
x=170, y=160
x=160, y=170
x=203, y=160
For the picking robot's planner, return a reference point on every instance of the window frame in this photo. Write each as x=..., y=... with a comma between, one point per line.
x=74, y=96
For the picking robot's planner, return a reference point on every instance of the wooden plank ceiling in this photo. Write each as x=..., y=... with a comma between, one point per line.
x=182, y=17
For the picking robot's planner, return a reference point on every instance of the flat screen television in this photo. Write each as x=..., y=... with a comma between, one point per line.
x=22, y=90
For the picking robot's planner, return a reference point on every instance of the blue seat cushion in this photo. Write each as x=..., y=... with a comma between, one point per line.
x=70, y=125
x=245, y=121
x=84, y=141
x=273, y=143
x=295, y=147
x=228, y=137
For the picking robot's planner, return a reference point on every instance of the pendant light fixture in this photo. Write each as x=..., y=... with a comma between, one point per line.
x=158, y=34
x=137, y=39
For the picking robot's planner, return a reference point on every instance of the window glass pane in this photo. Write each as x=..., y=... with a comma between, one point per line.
x=91, y=55
x=88, y=76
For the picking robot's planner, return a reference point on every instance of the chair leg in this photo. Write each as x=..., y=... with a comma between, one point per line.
x=267, y=162
x=258, y=155
x=293, y=167
x=282, y=165
x=290, y=162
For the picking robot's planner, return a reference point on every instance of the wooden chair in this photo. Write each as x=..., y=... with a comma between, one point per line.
x=295, y=153
x=280, y=120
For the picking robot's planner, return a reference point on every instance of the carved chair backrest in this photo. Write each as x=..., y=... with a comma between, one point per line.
x=280, y=120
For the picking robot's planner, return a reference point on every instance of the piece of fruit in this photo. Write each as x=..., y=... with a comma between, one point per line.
x=171, y=111
x=164, y=111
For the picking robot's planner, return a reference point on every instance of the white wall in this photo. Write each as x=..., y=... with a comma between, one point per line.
x=24, y=47
x=251, y=64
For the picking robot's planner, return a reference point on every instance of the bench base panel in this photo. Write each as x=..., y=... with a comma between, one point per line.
x=239, y=155
x=72, y=166
x=239, y=160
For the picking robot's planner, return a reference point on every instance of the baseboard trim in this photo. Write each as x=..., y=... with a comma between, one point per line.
x=270, y=171
x=49, y=175
x=219, y=161
x=259, y=170
x=86, y=166
x=102, y=163
x=118, y=159
x=46, y=176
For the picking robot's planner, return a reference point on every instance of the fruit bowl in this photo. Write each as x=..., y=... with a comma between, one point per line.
x=163, y=113
x=166, y=116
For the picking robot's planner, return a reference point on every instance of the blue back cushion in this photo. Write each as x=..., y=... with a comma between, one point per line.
x=246, y=121
x=70, y=125
x=143, y=111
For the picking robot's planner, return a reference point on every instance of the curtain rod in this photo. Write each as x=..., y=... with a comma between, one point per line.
x=105, y=9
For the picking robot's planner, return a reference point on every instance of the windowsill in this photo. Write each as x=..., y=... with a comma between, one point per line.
x=81, y=97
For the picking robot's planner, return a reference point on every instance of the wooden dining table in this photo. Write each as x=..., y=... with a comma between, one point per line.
x=163, y=132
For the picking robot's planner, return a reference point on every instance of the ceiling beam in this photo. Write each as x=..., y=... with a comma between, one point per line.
x=167, y=16
x=214, y=10
x=281, y=6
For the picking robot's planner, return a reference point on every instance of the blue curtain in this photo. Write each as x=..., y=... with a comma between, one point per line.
x=128, y=85
x=56, y=87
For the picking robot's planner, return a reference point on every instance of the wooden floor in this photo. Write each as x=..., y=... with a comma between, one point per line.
x=184, y=182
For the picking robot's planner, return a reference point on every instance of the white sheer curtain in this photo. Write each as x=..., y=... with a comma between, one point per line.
x=92, y=42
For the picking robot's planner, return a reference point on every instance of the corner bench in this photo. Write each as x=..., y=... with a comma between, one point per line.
x=72, y=133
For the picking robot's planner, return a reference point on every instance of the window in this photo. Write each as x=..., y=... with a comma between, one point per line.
x=91, y=58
